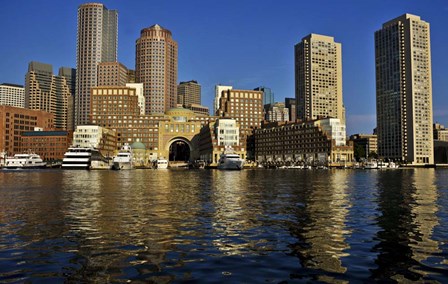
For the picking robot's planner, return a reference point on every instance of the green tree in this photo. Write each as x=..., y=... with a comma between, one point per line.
x=373, y=155
x=359, y=152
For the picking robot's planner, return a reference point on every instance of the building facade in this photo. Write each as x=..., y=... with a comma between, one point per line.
x=307, y=143
x=276, y=112
x=112, y=74
x=97, y=41
x=218, y=93
x=189, y=93
x=404, y=90
x=290, y=103
x=140, y=95
x=268, y=95
x=51, y=93
x=440, y=132
x=369, y=142
x=198, y=109
x=97, y=137
x=14, y=121
x=12, y=95
x=156, y=68
x=49, y=145
x=318, y=78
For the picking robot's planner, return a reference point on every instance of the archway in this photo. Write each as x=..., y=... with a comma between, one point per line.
x=179, y=150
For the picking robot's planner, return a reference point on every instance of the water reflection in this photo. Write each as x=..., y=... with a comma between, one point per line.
x=407, y=201
x=322, y=230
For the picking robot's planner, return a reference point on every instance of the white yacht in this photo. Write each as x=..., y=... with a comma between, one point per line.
x=123, y=161
x=162, y=164
x=84, y=158
x=230, y=161
x=24, y=161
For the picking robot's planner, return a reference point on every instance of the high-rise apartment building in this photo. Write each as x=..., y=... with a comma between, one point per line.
x=51, y=93
x=268, y=95
x=96, y=42
x=156, y=68
x=189, y=93
x=112, y=74
x=318, y=78
x=218, y=94
x=12, y=95
x=404, y=90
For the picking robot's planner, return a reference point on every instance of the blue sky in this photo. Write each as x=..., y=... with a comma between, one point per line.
x=243, y=43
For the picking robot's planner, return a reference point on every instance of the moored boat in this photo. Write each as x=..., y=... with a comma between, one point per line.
x=123, y=160
x=25, y=161
x=162, y=164
x=230, y=161
x=84, y=158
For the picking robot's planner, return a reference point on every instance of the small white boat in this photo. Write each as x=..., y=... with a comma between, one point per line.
x=25, y=161
x=123, y=160
x=383, y=165
x=392, y=165
x=230, y=161
x=162, y=164
x=371, y=165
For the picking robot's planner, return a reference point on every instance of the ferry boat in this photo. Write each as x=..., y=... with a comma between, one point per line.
x=230, y=161
x=123, y=161
x=25, y=161
x=162, y=164
x=84, y=158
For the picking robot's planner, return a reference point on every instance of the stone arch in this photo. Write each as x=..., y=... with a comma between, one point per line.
x=179, y=139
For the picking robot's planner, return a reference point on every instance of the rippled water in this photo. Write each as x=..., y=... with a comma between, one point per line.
x=216, y=226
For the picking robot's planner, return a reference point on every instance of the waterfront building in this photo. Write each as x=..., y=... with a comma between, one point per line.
x=117, y=108
x=217, y=136
x=218, y=93
x=198, y=109
x=95, y=136
x=156, y=68
x=112, y=74
x=404, y=90
x=14, y=121
x=440, y=132
x=245, y=106
x=12, y=95
x=369, y=142
x=189, y=93
x=276, y=112
x=290, y=104
x=49, y=145
x=51, y=93
x=97, y=39
x=318, y=78
x=268, y=95
x=140, y=95
x=311, y=142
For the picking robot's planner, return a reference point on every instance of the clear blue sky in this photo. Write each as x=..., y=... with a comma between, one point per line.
x=243, y=43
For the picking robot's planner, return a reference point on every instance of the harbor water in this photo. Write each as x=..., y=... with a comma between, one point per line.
x=250, y=226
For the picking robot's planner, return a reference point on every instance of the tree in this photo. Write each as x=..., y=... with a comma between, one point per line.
x=373, y=155
x=359, y=152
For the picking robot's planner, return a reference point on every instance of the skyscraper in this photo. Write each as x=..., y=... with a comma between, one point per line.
x=189, y=93
x=318, y=78
x=218, y=94
x=96, y=42
x=404, y=90
x=48, y=92
x=268, y=95
x=156, y=68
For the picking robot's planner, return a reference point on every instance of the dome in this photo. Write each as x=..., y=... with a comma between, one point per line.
x=138, y=146
x=180, y=114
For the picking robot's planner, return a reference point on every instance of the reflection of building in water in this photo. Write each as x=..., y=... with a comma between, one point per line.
x=424, y=211
x=323, y=230
x=407, y=201
x=232, y=218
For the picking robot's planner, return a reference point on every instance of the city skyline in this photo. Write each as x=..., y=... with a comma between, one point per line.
x=244, y=45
